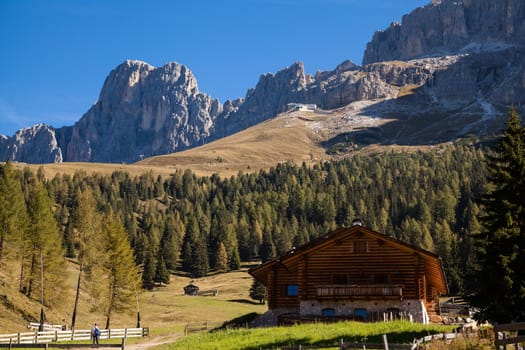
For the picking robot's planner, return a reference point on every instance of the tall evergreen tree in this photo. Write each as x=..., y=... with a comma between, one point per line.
x=499, y=281
x=44, y=254
x=119, y=279
x=195, y=252
x=87, y=223
x=258, y=291
x=221, y=257
x=162, y=275
x=13, y=212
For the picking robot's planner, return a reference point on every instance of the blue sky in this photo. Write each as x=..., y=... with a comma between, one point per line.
x=55, y=54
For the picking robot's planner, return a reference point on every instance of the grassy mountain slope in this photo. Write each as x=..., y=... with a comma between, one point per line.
x=165, y=309
x=300, y=136
x=289, y=137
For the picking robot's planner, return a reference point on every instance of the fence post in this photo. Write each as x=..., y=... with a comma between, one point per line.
x=123, y=344
x=385, y=341
x=18, y=338
x=341, y=344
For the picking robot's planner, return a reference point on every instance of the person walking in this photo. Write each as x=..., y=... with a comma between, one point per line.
x=95, y=334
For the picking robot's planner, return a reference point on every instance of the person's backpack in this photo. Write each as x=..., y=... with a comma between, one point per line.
x=97, y=332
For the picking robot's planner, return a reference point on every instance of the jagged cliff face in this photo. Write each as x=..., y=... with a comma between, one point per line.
x=142, y=111
x=449, y=69
x=37, y=142
x=450, y=27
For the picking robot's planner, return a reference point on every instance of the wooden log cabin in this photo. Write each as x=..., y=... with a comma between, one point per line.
x=353, y=273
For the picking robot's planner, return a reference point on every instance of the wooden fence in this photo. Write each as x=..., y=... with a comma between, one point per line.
x=63, y=345
x=200, y=327
x=37, y=337
x=342, y=345
x=502, y=335
x=385, y=345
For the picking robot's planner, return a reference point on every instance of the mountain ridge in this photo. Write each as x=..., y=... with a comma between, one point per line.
x=438, y=74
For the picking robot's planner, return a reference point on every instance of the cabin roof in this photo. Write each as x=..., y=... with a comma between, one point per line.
x=433, y=265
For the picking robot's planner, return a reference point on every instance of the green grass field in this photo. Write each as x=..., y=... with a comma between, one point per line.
x=400, y=332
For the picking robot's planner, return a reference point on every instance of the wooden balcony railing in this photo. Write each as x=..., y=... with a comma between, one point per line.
x=361, y=291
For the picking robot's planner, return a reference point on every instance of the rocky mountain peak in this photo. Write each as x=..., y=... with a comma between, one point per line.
x=450, y=26
x=35, y=142
x=142, y=111
x=448, y=69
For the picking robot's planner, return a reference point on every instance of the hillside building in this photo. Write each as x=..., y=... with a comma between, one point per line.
x=352, y=273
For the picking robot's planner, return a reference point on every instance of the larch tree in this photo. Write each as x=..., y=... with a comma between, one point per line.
x=13, y=215
x=119, y=279
x=499, y=280
x=88, y=224
x=44, y=253
x=221, y=257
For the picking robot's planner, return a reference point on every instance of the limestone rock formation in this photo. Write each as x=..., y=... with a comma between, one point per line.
x=37, y=142
x=449, y=27
x=142, y=111
x=450, y=69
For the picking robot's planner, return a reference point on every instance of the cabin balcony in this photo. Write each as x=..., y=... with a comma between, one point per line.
x=361, y=291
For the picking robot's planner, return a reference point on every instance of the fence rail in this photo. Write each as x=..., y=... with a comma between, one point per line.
x=200, y=327
x=62, y=346
x=37, y=337
x=502, y=338
x=385, y=345
x=342, y=345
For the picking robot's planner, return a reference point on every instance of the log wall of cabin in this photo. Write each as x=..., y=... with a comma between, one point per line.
x=380, y=258
x=347, y=257
x=282, y=278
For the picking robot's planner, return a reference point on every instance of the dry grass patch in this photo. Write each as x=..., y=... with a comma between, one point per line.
x=164, y=309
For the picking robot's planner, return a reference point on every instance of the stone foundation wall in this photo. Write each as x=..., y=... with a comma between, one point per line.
x=271, y=317
x=414, y=309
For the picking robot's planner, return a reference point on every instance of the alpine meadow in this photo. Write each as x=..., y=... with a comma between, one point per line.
x=373, y=202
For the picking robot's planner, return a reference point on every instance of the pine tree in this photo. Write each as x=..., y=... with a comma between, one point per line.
x=162, y=275
x=148, y=274
x=258, y=292
x=499, y=280
x=195, y=252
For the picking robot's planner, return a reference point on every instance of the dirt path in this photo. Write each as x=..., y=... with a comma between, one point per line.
x=154, y=341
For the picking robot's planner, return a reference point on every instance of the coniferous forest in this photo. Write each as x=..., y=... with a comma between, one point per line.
x=202, y=224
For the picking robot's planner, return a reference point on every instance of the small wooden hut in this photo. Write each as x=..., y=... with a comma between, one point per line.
x=191, y=289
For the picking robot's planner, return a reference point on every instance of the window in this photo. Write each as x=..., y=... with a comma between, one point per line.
x=328, y=312
x=340, y=279
x=292, y=290
x=361, y=314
